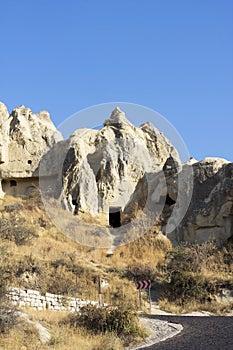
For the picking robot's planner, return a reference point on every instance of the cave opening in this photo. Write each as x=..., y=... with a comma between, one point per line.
x=169, y=201
x=115, y=217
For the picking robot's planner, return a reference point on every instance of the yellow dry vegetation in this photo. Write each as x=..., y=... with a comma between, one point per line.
x=55, y=263
x=25, y=336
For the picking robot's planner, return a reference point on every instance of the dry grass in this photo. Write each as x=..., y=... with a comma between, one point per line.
x=51, y=246
x=216, y=275
x=25, y=336
x=77, y=267
x=150, y=250
x=174, y=308
x=217, y=308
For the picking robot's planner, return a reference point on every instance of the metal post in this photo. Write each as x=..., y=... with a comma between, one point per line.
x=140, y=299
x=150, y=298
x=99, y=290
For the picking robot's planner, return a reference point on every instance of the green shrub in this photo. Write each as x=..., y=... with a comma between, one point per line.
x=184, y=273
x=137, y=273
x=190, y=257
x=186, y=287
x=118, y=320
x=14, y=229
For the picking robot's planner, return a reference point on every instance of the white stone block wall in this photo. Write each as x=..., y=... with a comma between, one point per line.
x=33, y=298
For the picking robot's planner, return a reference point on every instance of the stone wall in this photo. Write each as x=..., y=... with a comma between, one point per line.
x=33, y=298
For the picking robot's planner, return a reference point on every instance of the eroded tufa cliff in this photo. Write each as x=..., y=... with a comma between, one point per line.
x=210, y=214
x=101, y=168
x=25, y=137
x=113, y=172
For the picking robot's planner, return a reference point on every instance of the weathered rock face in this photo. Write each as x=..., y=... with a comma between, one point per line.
x=116, y=169
x=210, y=215
x=25, y=137
x=102, y=168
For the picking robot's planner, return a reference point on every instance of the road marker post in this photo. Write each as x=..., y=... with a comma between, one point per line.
x=99, y=291
x=140, y=299
x=143, y=285
x=149, y=293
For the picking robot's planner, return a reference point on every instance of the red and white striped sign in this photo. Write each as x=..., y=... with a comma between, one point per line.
x=143, y=284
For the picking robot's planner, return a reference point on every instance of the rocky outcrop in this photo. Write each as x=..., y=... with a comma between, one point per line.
x=43, y=333
x=25, y=137
x=210, y=214
x=114, y=173
x=102, y=168
x=124, y=168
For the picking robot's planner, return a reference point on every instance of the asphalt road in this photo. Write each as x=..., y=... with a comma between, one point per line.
x=199, y=333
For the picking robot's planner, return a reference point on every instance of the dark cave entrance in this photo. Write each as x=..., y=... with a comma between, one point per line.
x=169, y=201
x=114, y=217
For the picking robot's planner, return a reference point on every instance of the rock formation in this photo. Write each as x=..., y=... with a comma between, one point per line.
x=24, y=138
x=102, y=168
x=114, y=173
x=210, y=214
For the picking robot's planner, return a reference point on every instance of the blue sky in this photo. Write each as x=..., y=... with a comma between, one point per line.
x=174, y=56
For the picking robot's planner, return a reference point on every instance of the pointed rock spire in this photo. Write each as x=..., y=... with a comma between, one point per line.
x=117, y=119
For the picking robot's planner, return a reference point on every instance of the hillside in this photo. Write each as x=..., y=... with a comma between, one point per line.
x=44, y=259
x=47, y=254
x=35, y=255
x=97, y=213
